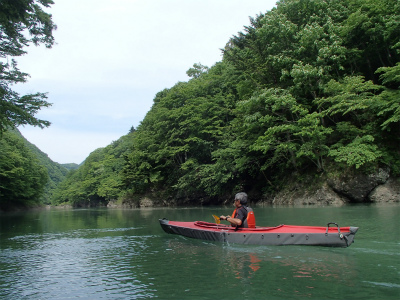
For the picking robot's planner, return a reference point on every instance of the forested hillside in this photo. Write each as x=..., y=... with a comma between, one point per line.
x=28, y=177
x=55, y=171
x=22, y=175
x=310, y=88
x=97, y=180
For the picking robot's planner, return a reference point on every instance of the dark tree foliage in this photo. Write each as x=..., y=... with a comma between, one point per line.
x=317, y=96
x=22, y=176
x=22, y=22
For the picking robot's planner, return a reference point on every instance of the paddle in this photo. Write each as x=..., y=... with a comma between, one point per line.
x=217, y=219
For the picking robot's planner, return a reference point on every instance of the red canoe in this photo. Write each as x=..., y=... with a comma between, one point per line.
x=280, y=235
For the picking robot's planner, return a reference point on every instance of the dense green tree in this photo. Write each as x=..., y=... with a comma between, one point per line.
x=55, y=171
x=178, y=135
x=97, y=180
x=303, y=87
x=22, y=177
x=310, y=87
x=371, y=32
x=197, y=70
x=305, y=48
x=22, y=22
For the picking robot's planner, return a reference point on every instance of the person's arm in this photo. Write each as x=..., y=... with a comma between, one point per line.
x=234, y=221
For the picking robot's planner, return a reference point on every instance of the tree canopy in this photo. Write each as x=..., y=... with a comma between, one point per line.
x=308, y=84
x=28, y=177
x=308, y=88
x=22, y=176
x=97, y=180
x=22, y=22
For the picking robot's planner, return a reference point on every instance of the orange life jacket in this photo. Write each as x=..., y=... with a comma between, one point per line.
x=250, y=221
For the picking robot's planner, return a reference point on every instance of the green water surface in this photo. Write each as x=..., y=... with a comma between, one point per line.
x=124, y=254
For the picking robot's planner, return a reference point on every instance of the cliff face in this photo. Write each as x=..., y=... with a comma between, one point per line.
x=351, y=188
x=358, y=187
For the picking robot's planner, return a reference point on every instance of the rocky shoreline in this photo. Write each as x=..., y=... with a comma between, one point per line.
x=341, y=193
x=378, y=187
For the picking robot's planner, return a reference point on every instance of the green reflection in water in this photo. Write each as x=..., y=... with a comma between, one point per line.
x=124, y=254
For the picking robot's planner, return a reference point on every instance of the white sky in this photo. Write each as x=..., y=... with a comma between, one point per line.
x=113, y=56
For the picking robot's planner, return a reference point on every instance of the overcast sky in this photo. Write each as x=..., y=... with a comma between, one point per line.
x=113, y=56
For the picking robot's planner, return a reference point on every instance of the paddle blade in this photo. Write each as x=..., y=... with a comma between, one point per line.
x=217, y=219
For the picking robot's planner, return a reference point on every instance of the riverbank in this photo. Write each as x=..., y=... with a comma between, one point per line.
x=378, y=187
x=373, y=188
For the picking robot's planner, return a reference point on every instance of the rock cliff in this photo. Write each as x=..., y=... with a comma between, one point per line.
x=349, y=188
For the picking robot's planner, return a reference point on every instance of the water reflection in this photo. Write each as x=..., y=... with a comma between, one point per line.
x=124, y=254
x=282, y=271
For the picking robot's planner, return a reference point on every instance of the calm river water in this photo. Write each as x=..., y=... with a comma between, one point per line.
x=124, y=254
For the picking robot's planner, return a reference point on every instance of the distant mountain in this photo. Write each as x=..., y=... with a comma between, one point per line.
x=71, y=166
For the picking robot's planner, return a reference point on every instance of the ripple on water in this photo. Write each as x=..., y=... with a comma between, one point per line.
x=384, y=284
x=75, y=263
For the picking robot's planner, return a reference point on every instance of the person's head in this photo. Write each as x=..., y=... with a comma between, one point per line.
x=240, y=198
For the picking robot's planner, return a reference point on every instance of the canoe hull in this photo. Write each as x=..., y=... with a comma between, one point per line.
x=279, y=236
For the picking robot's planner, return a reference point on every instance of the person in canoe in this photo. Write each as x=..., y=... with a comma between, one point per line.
x=243, y=216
